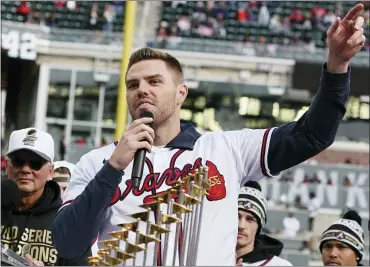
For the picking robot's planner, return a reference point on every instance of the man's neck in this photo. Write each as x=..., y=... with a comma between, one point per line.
x=244, y=250
x=167, y=131
x=29, y=200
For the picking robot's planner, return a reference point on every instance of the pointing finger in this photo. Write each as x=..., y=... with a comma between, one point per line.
x=333, y=27
x=354, y=12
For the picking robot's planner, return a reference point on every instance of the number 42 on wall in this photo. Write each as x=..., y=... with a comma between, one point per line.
x=19, y=44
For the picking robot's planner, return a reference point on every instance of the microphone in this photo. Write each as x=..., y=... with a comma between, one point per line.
x=139, y=158
x=10, y=194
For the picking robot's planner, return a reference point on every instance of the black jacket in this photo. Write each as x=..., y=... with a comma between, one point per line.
x=33, y=226
x=265, y=247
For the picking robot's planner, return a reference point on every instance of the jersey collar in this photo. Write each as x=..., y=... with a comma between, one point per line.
x=186, y=138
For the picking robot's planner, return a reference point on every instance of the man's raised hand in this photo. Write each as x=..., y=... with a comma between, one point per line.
x=345, y=38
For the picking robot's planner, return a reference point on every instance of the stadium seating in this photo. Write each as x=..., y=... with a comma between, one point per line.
x=250, y=29
x=64, y=17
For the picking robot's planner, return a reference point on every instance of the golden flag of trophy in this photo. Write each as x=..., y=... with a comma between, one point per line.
x=184, y=209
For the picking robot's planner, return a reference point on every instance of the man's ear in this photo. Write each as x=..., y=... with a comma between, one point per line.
x=182, y=93
x=51, y=172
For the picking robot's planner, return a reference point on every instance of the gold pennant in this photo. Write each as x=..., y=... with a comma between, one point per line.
x=156, y=229
x=94, y=261
x=122, y=234
x=151, y=206
x=143, y=239
x=110, y=243
x=180, y=209
x=133, y=248
x=144, y=216
x=111, y=261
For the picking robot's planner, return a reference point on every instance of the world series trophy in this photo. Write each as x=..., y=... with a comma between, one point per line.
x=184, y=209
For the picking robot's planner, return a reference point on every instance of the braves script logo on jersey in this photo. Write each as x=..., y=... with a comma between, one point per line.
x=154, y=181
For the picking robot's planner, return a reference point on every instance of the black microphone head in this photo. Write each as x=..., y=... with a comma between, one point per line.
x=10, y=194
x=147, y=114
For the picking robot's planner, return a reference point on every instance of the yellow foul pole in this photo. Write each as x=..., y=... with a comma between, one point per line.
x=121, y=110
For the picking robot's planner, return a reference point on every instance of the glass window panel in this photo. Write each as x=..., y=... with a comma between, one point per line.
x=86, y=97
x=58, y=93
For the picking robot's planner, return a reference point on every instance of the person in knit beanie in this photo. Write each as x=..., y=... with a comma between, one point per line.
x=342, y=244
x=254, y=248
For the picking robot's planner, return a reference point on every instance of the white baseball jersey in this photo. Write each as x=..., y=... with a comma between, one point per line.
x=229, y=156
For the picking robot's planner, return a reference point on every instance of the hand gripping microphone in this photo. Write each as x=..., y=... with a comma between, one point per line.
x=139, y=158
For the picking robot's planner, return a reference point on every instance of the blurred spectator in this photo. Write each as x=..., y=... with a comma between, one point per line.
x=210, y=11
x=291, y=226
x=286, y=26
x=24, y=9
x=307, y=23
x=218, y=25
x=298, y=204
x=118, y=6
x=296, y=17
x=313, y=206
x=71, y=5
x=94, y=16
x=275, y=24
x=242, y=14
x=264, y=15
x=221, y=8
x=253, y=4
x=109, y=16
x=339, y=9
x=183, y=23
x=329, y=18
x=318, y=11
x=173, y=40
x=162, y=35
x=347, y=182
x=59, y=4
x=199, y=13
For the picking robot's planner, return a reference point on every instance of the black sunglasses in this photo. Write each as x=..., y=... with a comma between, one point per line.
x=34, y=164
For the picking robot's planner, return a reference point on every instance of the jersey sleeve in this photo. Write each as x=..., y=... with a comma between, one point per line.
x=83, y=173
x=250, y=148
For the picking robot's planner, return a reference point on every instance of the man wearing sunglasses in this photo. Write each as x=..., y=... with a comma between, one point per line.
x=30, y=165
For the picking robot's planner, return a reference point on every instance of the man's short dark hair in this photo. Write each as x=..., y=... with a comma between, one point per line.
x=62, y=170
x=148, y=53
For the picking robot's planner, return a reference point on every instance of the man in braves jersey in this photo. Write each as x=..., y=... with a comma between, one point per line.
x=252, y=247
x=100, y=194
